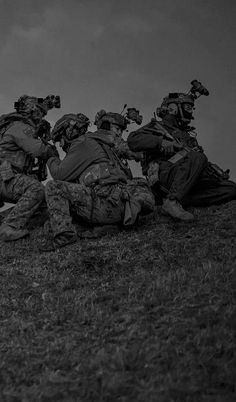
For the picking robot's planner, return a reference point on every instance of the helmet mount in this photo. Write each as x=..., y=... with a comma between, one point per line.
x=180, y=99
x=70, y=126
x=29, y=104
x=104, y=119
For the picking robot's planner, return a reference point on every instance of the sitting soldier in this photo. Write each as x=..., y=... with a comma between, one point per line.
x=177, y=169
x=91, y=181
x=19, y=146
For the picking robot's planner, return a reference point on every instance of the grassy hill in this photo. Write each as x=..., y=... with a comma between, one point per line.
x=146, y=315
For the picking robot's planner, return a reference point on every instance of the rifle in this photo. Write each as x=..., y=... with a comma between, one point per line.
x=212, y=168
x=39, y=168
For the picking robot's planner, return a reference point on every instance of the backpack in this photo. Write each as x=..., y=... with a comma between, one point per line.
x=7, y=119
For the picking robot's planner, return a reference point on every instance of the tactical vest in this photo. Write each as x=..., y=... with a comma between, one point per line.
x=122, y=169
x=20, y=161
x=104, y=173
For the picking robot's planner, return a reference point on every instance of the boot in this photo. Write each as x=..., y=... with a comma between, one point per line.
x=8, y=233
x=61, y=240
x=175, y=210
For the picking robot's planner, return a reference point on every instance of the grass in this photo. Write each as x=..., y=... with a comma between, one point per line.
x=146, y=315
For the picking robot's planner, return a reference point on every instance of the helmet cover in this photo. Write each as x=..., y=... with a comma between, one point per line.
x=29, y=104
x=110, y=117
x=66, y=124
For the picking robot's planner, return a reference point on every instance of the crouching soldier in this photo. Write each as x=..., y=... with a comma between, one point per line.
x=176, y=166
x=91, y=181
x=19, y=146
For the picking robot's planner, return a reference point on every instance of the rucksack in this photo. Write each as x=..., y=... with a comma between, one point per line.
x=7, y=119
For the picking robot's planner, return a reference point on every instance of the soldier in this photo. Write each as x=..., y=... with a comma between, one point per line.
x=91, y=181
x=117, y=124
x=19, y=146
x=177, y=168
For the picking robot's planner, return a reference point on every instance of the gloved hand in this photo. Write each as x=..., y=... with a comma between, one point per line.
x=170, y=147
x=52, y=151
x=138, y=156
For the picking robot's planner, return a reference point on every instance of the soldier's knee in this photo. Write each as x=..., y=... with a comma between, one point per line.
x=144, y=196
x=231, y=189
x=50, y=186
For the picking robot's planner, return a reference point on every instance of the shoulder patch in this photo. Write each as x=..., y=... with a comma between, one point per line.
x=28, y=131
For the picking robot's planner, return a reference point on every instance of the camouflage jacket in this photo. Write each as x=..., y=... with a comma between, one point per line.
x=91, y=158
x=18, y=148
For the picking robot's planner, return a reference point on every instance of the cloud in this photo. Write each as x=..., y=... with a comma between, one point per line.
x=106, y=53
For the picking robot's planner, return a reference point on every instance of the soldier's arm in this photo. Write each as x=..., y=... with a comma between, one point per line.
x=21, y=135
x=123, y=151
x=56, y=168
x=73, y=164
x=144, y=139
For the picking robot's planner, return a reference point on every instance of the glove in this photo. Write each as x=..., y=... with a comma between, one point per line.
x=170, y=147
x=138, y=156
x=52, y=151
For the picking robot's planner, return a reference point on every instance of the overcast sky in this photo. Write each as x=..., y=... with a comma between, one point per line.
x=104, y=53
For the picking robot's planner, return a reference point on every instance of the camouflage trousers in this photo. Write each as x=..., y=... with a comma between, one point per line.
x=110, y=204
x=24, y=191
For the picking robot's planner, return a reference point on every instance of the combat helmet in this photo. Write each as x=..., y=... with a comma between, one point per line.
x=180, y=99
x=70, y=126
x=103, y=119
x=29, y=104
x=31, y=110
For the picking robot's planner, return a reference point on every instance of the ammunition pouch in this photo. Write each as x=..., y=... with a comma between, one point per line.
x=19, y=161
x=39, y=170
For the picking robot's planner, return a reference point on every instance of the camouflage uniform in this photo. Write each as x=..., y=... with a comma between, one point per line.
x=185, y=176
x=18, y=148
x=124, y=152
x=27, y=193
x=92, y=182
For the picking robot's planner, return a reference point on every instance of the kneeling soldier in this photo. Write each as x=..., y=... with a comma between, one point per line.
x=91, y=181
x=19, y=146
x=176, y=166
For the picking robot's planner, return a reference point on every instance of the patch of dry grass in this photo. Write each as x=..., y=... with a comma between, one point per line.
x=145, y=315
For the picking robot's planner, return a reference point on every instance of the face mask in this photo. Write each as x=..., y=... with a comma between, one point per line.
x=187, y=110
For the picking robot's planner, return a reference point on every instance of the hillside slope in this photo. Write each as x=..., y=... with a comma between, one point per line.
x=144, y=315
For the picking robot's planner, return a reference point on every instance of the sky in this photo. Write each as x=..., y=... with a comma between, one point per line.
x=106, y=53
